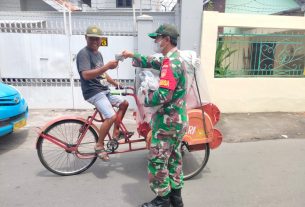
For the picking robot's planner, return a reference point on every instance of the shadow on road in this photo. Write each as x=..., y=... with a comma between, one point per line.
x=12, y=141
x=132, y=165
x=125, y=175
x=132, y=170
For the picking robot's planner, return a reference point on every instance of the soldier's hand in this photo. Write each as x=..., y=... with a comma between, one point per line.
x=112, y=64
x=127, y=54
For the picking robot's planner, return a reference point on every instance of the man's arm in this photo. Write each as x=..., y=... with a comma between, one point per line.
x=111, y=81
x=143, y=61
x=146, y=61
x=93, y=73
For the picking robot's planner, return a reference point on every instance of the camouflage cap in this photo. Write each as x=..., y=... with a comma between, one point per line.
x=165, y=29
x=94, y=31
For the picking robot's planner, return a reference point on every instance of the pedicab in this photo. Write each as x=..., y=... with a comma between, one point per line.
x=65, y=146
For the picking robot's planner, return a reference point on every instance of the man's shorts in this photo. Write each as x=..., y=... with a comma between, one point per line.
x=104, y=101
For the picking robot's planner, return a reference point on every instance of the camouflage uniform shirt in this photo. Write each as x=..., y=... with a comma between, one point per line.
x=169, y=123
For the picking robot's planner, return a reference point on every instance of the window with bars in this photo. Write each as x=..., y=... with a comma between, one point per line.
x=243, y=52
x=124, y=3
x=88, y=2
x=22, y=26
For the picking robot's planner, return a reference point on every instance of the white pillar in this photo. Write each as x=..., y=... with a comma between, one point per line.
x=145, y=26
x=190, y=25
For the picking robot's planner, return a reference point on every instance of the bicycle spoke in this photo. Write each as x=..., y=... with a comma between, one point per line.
x=64, y=162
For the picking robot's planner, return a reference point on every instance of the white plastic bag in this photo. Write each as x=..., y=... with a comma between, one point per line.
x=148, y=82
x=192, y=64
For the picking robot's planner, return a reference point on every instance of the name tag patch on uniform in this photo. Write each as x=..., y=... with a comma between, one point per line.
x=164, y=83
x=167, y=79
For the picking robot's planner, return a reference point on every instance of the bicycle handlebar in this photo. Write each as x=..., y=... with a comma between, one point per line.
x=125, y=93
x=120, y=87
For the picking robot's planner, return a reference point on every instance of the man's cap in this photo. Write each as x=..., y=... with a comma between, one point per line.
x=165, y=29
x=93, y=31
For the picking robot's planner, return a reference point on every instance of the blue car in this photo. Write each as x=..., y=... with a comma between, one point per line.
x=13, y=109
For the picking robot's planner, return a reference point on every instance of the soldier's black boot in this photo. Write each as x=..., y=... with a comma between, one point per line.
x=175, y=198
x=158, y=202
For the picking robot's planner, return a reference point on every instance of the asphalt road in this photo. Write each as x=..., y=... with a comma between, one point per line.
x=267, y=173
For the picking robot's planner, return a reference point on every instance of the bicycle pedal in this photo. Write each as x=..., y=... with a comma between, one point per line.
x=112, y=145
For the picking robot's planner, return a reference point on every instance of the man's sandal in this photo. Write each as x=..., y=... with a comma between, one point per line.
x=102, y=154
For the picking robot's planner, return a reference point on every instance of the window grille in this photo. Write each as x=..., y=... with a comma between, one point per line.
x=22, y=26
x=124, y=3
x=264, y=52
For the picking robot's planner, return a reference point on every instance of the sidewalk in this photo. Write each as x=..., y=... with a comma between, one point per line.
x=235, y=127
x=242, y=127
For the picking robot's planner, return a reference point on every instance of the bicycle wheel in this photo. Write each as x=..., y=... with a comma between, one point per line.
x=194, y=159
x=57, y=159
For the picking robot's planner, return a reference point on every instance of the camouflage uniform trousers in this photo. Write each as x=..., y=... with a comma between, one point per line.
x=165, y=161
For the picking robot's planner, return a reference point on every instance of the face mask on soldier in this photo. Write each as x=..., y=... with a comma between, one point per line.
x=157, y=47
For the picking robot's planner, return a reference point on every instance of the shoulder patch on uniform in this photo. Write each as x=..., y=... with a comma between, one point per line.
x=167, y=79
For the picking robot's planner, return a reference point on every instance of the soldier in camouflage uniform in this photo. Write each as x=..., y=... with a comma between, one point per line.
x=169, y=123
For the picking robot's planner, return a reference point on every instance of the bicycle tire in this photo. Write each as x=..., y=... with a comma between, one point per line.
x=56, y=159
x=194, y=161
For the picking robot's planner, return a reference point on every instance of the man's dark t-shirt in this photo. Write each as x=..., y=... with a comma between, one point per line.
x=87, y=60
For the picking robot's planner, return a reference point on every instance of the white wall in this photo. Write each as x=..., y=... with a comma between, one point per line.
x=249, y=94
x=35, y=5
x=34, y=55
x=47, y=56
x=111, y=4
x=11, y=5
x=24, y=5
x=190, y=25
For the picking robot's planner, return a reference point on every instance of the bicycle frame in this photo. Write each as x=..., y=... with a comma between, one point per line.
x=75, y=153
x=89, y=123
x=65, y=146
x=194, y=136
